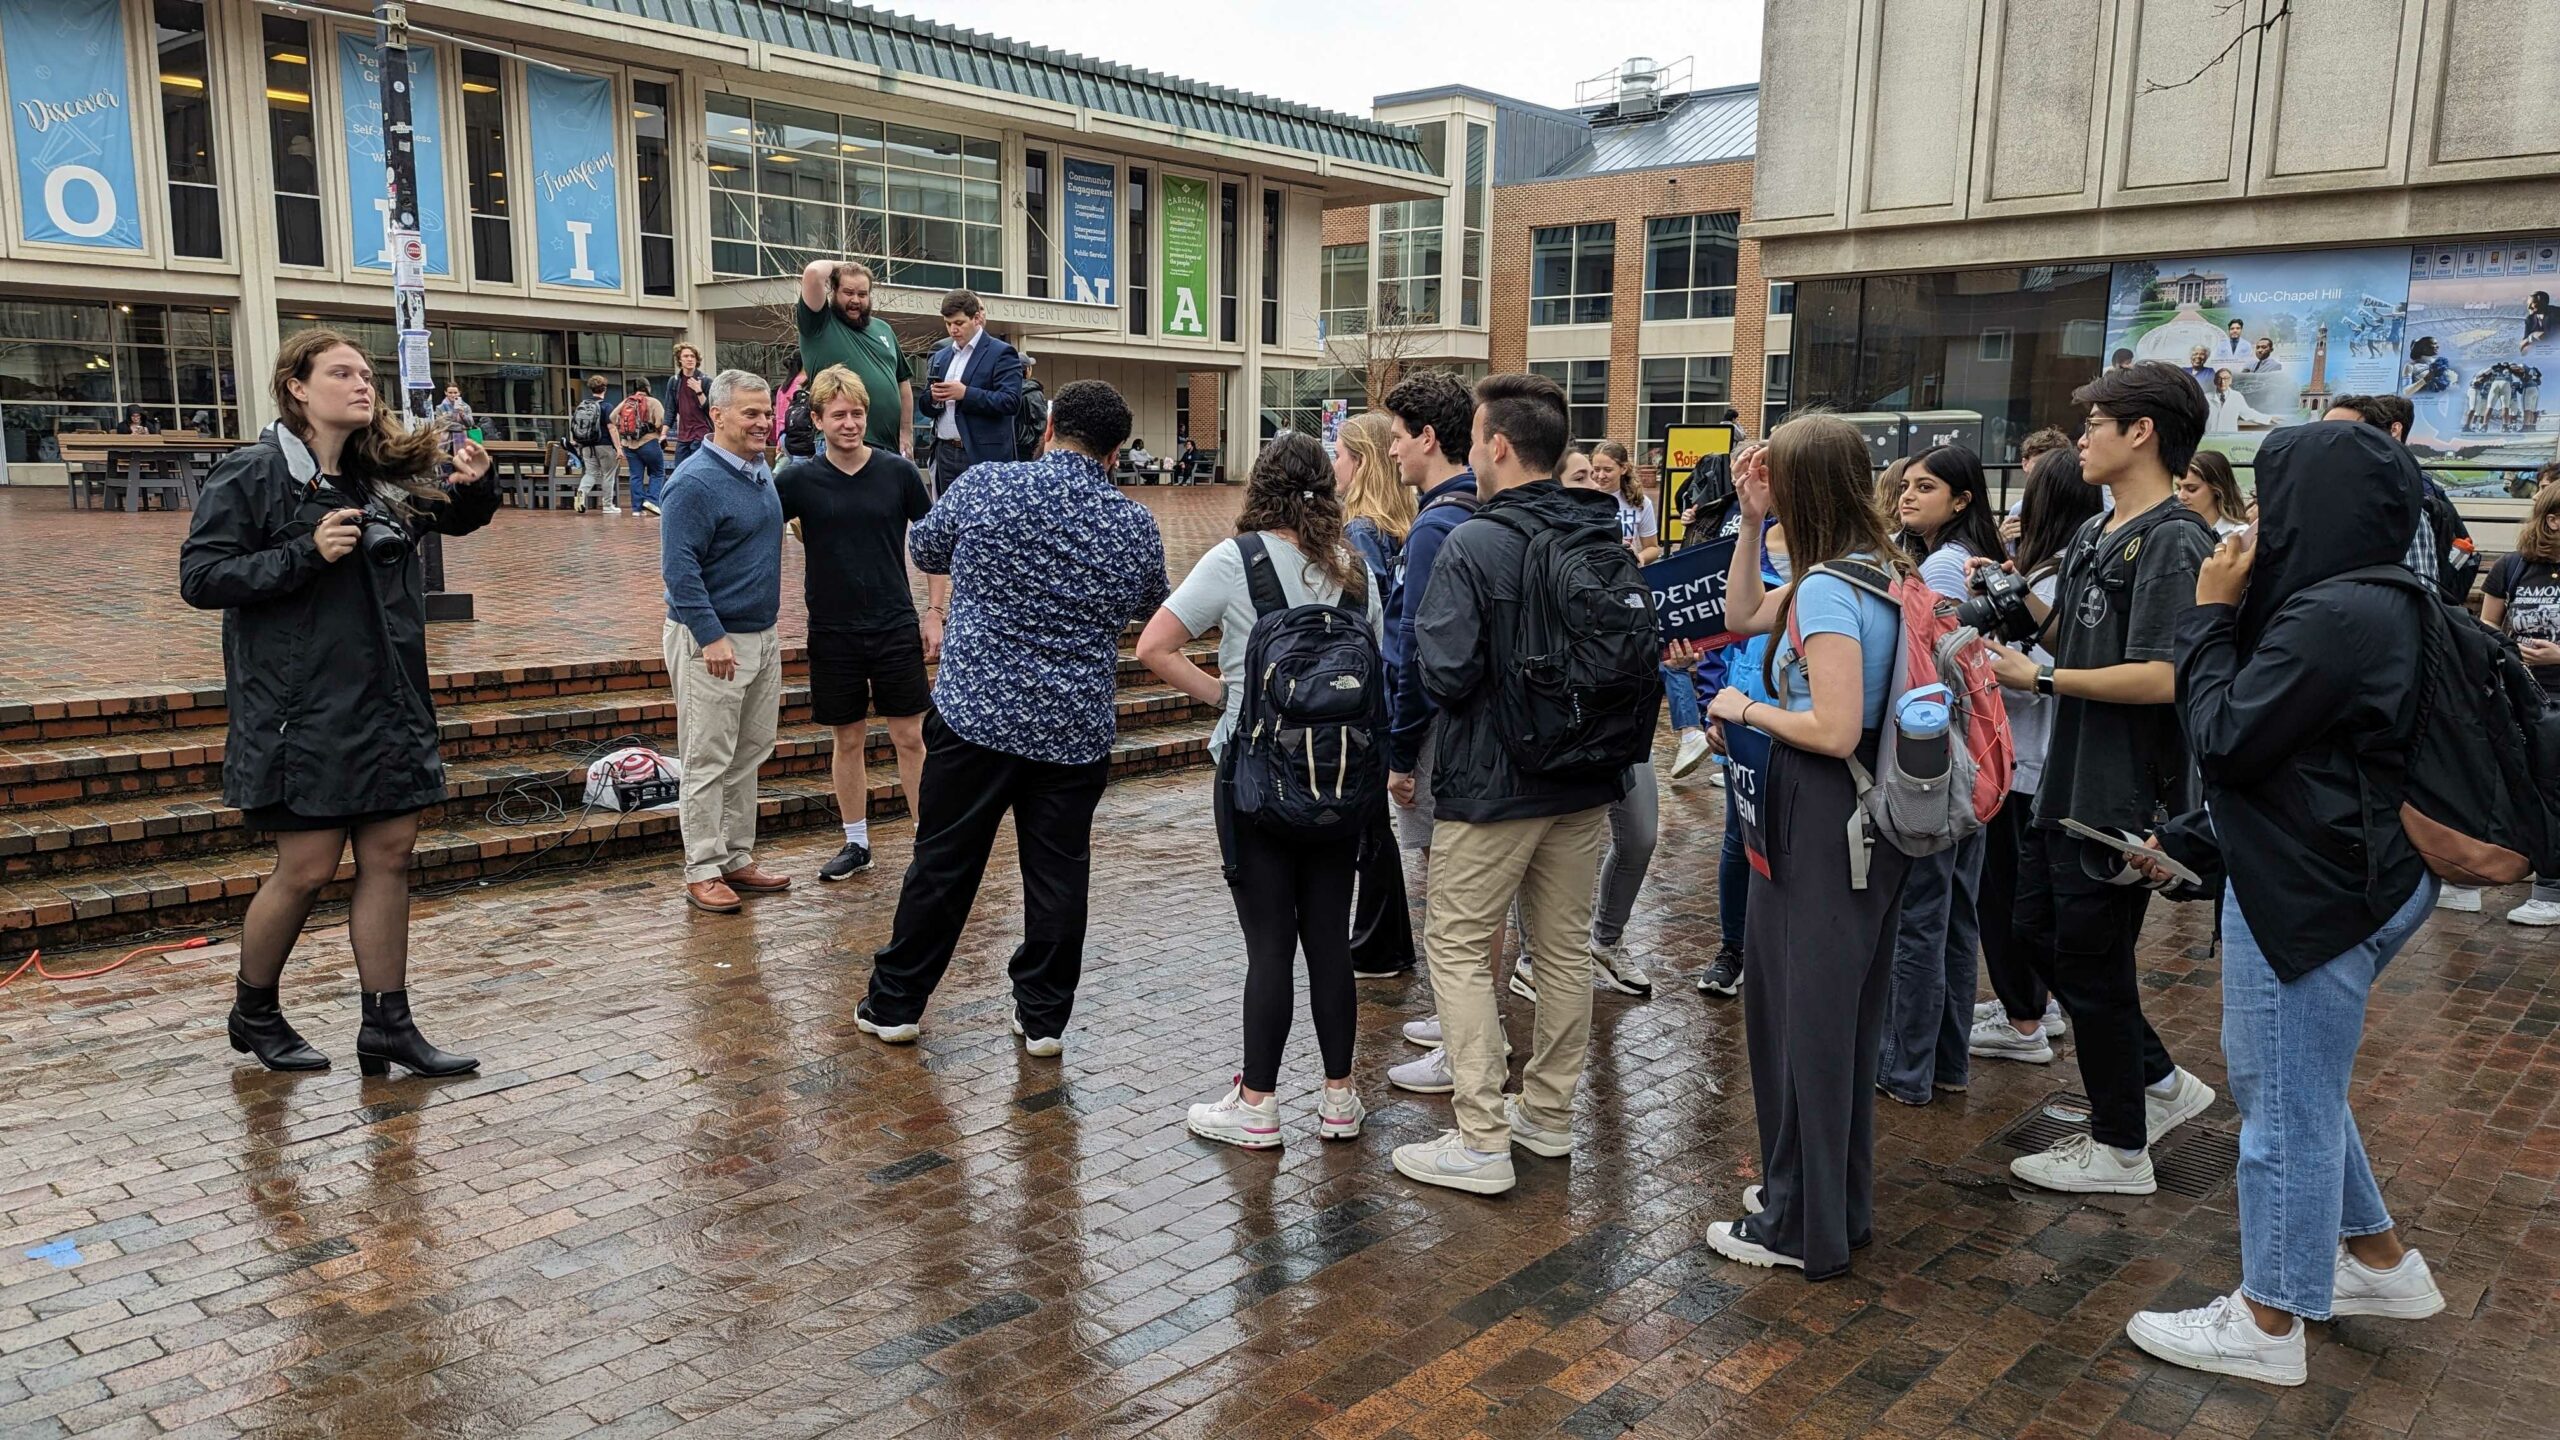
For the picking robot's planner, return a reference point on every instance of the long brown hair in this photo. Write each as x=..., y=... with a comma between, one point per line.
x=1292, y=489
x=386, y=458
x=2214, y=469
x=1630, y=489
x=1378, y=495
x=1825, y=501
x=2534, y=540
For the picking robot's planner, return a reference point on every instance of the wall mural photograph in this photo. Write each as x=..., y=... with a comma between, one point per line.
x=2481, y=334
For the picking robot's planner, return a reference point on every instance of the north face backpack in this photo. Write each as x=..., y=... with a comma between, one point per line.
x=799, y=426
x=586, y=423
x=1309, y=742
x=1922, y=814
x=1577, y=682
x=2483, y=797
x=1030, y=419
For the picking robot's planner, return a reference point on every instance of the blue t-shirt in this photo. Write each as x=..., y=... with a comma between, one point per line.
x=1829, y=605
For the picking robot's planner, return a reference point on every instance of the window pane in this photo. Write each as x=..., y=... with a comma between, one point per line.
x=298, y=232
x=789, y=127
x=1479, y=148
x=916, y=149
x=796, y=175
x=1434, y=144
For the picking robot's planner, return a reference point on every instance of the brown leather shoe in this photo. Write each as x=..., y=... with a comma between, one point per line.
x=712, y=896
x=756, y=880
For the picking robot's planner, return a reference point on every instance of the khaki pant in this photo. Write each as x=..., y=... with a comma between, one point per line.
x=602, y=465
x=724, y=729
x=1550, y=864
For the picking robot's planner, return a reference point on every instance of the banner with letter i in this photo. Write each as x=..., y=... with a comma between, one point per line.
x=368, y=163
x=71, y=122
x=577, y=202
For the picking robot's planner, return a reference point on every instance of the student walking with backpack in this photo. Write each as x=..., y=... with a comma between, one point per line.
x=1821, y=940
x=639, y=432
x=1378, y=513
x=590, y=434
x=1299, y=770
x=2299, y=680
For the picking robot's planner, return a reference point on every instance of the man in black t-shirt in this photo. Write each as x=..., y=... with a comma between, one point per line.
x=2118, y=763
x=851, y=504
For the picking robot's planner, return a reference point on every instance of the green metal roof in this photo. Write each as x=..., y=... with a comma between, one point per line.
x=967, y=57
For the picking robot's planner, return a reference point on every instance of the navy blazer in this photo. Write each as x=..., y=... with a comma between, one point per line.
x=987, y=412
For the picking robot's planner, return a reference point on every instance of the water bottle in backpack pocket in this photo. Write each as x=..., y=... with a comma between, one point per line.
x=1308, y=745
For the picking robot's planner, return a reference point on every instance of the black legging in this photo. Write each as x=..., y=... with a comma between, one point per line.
x=377, y=914
x=1290, y=893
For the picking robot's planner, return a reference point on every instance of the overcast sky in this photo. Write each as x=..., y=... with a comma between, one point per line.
x=1340, y=54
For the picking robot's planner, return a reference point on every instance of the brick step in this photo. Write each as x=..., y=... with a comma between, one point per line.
x=173, y=761
x=145, y=830
x=55, y=912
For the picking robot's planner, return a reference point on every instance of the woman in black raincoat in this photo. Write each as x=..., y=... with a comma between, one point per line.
x=305, y=541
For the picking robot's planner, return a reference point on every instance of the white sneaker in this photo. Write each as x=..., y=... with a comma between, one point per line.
x=2082, y=1166
x=2407, y=1291
x=2163, y=1113
x=887, y=1034
x=1529, y=1136
x=1237, y=1121
x=2223, y=1338
x=1447, y=1161
x=1046, y=1047
x=1612, y=970
x=2536, y=913
x=1339, y=1113
x=1426, y=1076
x=1424, y=1032
x=2464, y=898
x=1732, y=1244
x=2056, y=1024
x=1523, y=983
x=1997, y=1039
x=1715, y=777
x=1693, y=748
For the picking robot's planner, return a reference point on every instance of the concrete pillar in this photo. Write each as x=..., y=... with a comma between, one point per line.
x=240, y=83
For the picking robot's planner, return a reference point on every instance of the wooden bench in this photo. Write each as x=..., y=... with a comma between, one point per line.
x=133, y=468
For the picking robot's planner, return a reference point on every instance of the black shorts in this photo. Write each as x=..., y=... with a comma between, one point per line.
x=282, y=819
x=854, y=673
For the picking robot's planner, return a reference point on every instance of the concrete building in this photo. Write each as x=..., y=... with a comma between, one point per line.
x=599, y=181
x=1982, y=204
x=1600, y=245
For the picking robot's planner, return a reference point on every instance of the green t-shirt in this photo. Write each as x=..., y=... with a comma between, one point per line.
x=870, y=353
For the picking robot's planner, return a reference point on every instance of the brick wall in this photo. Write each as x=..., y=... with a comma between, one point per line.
x=1348, y=226
x=1205, y=419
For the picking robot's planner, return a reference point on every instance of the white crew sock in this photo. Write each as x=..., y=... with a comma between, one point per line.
x=858, y=832
x=2165, y=1088
x=2127, y=1156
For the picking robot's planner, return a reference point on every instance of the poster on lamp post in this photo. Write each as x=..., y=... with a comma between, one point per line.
x=1186, y=257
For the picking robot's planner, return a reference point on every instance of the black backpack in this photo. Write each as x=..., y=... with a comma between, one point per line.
x=1030, y=419
x=799, y=427
x=2483, y=797
x=1310, y=758
x=1577, y=684
x=586, y=423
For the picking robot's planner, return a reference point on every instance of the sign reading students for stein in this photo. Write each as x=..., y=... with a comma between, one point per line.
x=1688, y=593
x=368, y=168
x=1186, y=256
x=577, y=206
x=1092, y=241
x=71, y=123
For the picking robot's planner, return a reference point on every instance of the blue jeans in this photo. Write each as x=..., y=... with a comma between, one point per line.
x=1929, y=1007
x=649, y=461
x=1682, y=688
x=1733, y=878
x=2304, y=1182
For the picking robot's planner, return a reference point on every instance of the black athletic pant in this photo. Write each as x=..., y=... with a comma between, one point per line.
x=2095, y=928
x=1381, y=921
x=1290, y=893
x=967, y=790
x=2017, y=910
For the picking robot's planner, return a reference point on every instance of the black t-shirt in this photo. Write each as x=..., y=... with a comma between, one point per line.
x=2118, y=601
x=2531, y=589
x=854, y=529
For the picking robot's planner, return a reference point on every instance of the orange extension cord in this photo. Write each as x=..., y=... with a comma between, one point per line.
x=35, y=961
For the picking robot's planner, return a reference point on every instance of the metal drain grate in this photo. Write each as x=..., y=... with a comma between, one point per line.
x=2194, y=1161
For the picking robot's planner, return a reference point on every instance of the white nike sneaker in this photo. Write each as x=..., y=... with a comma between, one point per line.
x=2082, y=1166
x=2537, y=913
x=2056, y=1024
x=1237, y=1121
x=1612, y=970
x=2222, y=1338
x=1693, y=748
x=1523, y=983
x=1529, y=1136
x=1447, y=1161
x=1339, y=1113
x=1997, y=1039
x=1424, y=1032
x=1426, y=1076
x=2406, y=1291
x=1045, y=1047
x=2462, y=898
x=2164, y=1113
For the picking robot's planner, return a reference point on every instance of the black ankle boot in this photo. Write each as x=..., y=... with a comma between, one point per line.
x=389, y=1035
x=258, y=1028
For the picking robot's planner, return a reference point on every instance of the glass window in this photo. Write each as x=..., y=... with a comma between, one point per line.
x=1782, y=297
x=186, y=130
x=1035, y=209
x=1411, y=255
x=1586, y=395
x=790, y=184
x=1230, y=259
x=1271, y=267
x=293, y=148
x=1572, y=272
x=1479, y=198
x=1689, y=265
x=655, y=176
x=484, y=158
x=1774, y=387
x=1681, y=390
x=1295, y=399
x=1346, y=290
x=83, y=365
x=1139, y=265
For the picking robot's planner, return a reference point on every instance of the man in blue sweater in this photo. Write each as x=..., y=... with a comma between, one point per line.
x=720, y=553
x=1432, y=421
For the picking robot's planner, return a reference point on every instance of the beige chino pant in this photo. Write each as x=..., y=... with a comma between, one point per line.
x=724, y=729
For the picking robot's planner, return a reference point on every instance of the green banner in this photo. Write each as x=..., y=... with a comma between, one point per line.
x=1186, y=256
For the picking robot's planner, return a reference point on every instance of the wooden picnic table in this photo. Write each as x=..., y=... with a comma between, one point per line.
x=528, y=473
x=173, y=465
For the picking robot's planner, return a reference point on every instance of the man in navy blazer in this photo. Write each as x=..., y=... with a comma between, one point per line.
x=973, y=394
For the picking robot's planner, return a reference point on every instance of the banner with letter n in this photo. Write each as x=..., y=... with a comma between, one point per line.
x=1092, y=232
x=71, y=123
x=1688, y=593
x=577, y=200
x=1686, y=449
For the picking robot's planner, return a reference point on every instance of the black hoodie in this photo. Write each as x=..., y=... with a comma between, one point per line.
x=1475, y=585
x=2300, y=702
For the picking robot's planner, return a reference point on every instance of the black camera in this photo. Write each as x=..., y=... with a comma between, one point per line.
x=381, y=535
x=1998, y=608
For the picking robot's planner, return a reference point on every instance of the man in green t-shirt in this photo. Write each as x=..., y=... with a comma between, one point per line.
x=838, y=328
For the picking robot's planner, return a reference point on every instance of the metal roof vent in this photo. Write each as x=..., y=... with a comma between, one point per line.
x=1639, y=87
x=1637, y=91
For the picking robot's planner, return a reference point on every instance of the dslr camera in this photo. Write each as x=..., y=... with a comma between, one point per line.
x=381, y=535
x=1998, y=606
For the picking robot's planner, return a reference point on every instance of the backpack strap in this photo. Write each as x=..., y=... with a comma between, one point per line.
x=1261, y=577
x=1463, y=499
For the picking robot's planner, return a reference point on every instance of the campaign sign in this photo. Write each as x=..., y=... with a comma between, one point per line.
x=577, y=204
x=1685, y=450
x=1688, y=593
x=70, y=122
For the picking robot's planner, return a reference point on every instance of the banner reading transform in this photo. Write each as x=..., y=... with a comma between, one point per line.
x=577, y=197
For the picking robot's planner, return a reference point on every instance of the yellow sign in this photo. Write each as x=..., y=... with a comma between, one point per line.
x=1684, y=449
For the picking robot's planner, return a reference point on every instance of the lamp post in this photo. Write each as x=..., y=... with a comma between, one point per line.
x=408, y=273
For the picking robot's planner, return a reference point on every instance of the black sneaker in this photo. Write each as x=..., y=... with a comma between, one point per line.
x=853, y=859
x=1724, y=976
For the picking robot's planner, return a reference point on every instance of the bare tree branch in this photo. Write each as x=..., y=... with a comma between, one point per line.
x=2283, y=9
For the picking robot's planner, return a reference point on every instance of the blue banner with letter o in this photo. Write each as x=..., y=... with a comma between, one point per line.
x=577, y=200
x=71, y=123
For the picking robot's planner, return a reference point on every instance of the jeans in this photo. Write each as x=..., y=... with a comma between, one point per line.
x=1733, y=878
x=596, y=466
x=2016, y=910
x=1289, y=895
x=2095, y=929
x=1929, y=1007
x=2304, y=1180
x=1681, y=686
x=648, y=473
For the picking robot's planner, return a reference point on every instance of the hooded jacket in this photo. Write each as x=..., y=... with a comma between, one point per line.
x=1475, y=596
x=1445, y=506
x=2301, y=702
x=324, y=663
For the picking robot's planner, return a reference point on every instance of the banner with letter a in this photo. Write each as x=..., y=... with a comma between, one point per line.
x=577, y=202
x=71, y=123
x=1186, y=256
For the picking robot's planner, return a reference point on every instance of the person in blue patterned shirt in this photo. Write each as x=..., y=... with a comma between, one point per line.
x=1048, y=562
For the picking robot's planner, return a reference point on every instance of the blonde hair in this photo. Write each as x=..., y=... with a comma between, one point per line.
x=837, y=383
x=2534, y=541
x=1377, y=495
